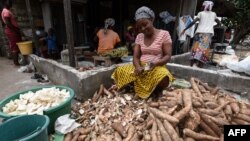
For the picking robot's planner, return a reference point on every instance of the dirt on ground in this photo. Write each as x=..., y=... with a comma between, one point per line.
x=12, y=81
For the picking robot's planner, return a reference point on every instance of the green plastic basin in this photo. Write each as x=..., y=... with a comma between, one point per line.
x=25, y=128
x=53, y=113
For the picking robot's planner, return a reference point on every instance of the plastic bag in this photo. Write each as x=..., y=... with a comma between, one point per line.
x=242, y=66
x=65, y=125
x=166, y=17
x=181, y=83
x=28, y=68
x=229, y=50
x=245, y=64
x=228, y=59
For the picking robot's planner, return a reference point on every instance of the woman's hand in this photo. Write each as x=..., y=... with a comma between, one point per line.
x=152, y=65
x=138, y=70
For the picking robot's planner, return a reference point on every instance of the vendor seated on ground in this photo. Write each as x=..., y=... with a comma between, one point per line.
x=148, y=73
x=51, y=43
x=130, y=39
x=108, y=39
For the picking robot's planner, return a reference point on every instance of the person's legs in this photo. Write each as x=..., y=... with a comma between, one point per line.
x=13, y=39
x=195, y=48
x=15, y=58
x=196, y=63
x=164, y=83
x=200, y=49
x=200, y=64
x=160, y=87
x=192, y=62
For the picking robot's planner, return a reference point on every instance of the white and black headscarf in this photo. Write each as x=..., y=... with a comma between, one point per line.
x=208, y=5
x=107, y=23
x=144, y=12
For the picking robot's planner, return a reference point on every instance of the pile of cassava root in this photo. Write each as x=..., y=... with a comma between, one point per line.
x=196, y=114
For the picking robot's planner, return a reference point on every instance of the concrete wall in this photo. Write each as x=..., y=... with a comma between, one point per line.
x=179, y=66
x=183, y=59
x=20, y=10
x=84, y=83
x=232, y=82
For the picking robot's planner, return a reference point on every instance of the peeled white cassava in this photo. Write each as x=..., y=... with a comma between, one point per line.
x=36, y=103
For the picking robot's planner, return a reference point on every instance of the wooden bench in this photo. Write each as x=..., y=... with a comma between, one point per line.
x=106, y=60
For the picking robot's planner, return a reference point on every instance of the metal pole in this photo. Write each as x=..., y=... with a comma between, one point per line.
x=35, y=39
x=69, y=31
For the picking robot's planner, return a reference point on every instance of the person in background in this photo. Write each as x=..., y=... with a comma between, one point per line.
x=228, y=36
x=152, y=51
x=130, y=38
x=12, y=30
x=108, y=40
x=43, y=49
x=203, y=34
x=51, y=43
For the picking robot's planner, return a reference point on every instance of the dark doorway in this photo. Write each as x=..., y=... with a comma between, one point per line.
x=59, y=23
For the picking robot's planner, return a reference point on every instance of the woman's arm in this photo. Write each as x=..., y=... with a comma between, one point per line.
x=11, y=26
x=137, y=56
x=136, y=60
x=190, y=25
x=218, y=21
x=167, y=52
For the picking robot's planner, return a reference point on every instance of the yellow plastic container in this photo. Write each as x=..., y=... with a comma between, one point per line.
x=25, y=47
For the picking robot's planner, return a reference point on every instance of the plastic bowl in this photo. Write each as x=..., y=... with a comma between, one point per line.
x=53, y=113
x=25, y=128
x=25, y=48
x=127, y=59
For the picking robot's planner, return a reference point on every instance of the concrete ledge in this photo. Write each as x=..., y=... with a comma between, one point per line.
x=84, y=83
x=236, y=83
x=183, y=59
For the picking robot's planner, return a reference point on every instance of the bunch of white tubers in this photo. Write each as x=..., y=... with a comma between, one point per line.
x=36, y=102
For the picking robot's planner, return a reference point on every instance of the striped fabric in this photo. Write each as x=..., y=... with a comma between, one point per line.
x=154, y=51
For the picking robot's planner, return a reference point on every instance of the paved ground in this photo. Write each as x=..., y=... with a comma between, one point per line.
x=12, y=81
